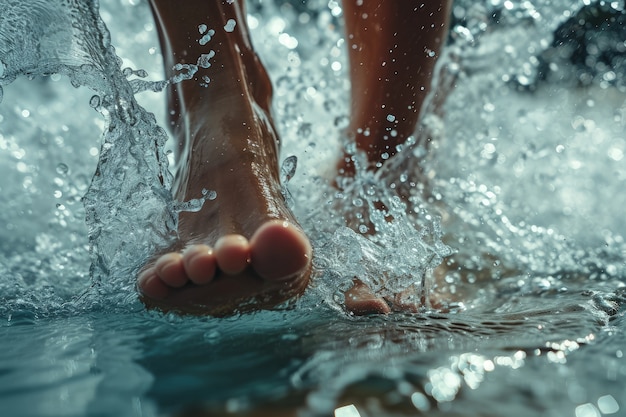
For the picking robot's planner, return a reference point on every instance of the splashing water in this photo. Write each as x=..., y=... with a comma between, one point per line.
x=524, y=166
x=129, y=209
x=130, y=187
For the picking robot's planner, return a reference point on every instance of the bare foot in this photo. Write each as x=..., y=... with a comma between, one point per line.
x=244, y=249
x=391, y=68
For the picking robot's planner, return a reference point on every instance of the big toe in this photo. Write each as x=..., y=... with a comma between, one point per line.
x=279, y=251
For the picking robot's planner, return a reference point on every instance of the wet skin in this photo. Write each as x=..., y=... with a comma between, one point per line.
x=245, y=249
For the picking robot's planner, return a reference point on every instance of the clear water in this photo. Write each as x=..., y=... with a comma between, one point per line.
x=525, y=171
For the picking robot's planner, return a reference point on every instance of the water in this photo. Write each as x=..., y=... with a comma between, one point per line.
x=525, y=170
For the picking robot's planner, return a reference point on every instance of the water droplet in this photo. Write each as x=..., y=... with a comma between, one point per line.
x=608, y=405
x=94, y=101
x=191, y=71
x=288, y=169
x=330, y=105
x=341, y=122
x=193, y=206
x=230, y=25
x=207, y=37
x=62, y=169
x=203, y=60
x=209, y=194
x=463, y=33
x=304, y=130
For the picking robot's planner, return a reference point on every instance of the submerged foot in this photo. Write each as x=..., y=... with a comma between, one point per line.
x=235, y=273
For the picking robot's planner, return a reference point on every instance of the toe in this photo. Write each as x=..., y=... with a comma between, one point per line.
x=279, y=250
x=200, y=264
x=151, y=286
x=232, y=254
x=171, y=270
x=361, y=300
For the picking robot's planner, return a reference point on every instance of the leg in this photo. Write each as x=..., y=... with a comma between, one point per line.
x=244, y=247
x=393, y=47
